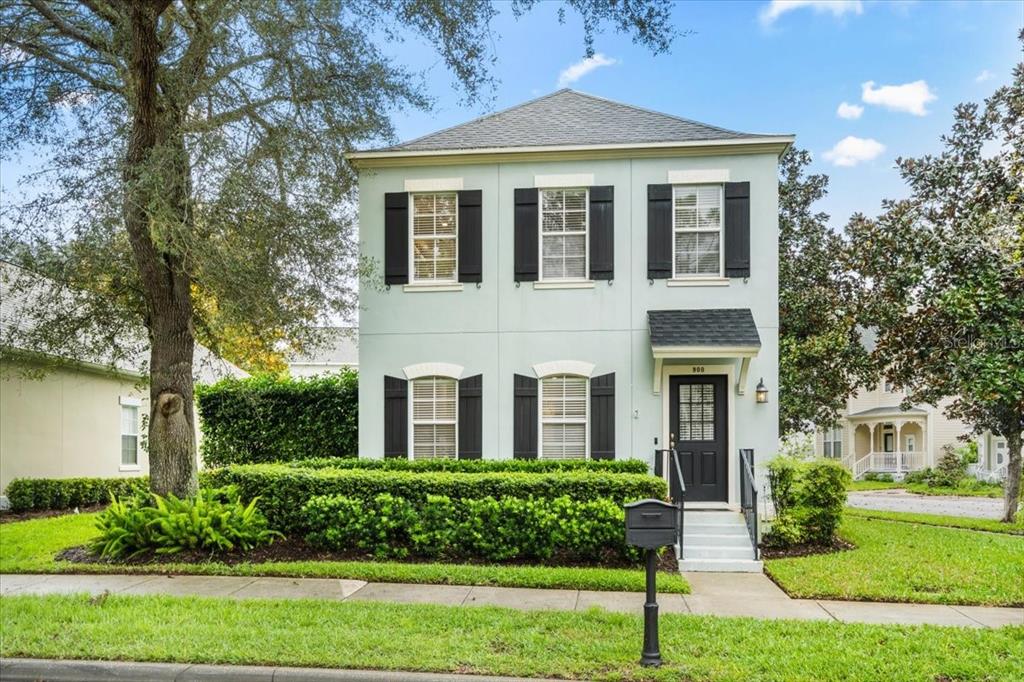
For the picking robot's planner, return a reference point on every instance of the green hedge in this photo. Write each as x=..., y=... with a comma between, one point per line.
x=808, y=498
x=284, y=490
x=43, y=494
x=487, y=529
x=473, y=466
x=271, y=419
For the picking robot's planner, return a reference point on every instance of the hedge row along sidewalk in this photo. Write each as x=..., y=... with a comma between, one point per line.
x=30, y=547
x=469, y=466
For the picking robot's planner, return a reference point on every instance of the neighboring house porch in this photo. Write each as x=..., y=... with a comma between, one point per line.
x=886, y=440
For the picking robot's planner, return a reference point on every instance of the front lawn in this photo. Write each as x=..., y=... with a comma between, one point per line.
x=906, y=562
x=495, y=641
x=968, y=487
x=990, y=525
x=30, y=547
x=858, y=486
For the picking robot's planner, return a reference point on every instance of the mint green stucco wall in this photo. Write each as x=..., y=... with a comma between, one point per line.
x=500, y=329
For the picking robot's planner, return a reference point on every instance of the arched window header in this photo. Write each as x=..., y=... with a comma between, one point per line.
x=433, y=369
x=572, y=367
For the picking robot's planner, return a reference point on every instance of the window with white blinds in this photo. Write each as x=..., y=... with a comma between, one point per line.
x=434, y=236
x=129, y=435
x=563, y=234
x=833, y=443
x=697, y=230
x=563, y=417
x=434, y=415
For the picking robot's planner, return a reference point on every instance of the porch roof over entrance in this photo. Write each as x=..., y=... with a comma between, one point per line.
x=875, y=412
x=703, y=333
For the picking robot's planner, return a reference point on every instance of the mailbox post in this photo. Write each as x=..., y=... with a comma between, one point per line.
x=650, y=525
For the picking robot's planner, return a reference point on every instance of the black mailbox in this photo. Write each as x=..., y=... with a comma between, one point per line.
x=652, y=524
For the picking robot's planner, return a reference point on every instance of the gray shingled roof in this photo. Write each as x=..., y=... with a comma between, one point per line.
x=340, y=346
x=711, y=327
x=569, y=118
x=880, y=411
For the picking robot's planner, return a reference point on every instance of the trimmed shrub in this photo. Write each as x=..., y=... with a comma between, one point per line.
x=950, y=469
x=44, y=494
x=270, y=419
x=621, y=466
x=284, y=490
x=877, y=476
x=809, y=498
x=214, y=520
x=486, y=529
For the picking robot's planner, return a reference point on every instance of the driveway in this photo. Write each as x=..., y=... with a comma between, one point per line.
x=902, y=501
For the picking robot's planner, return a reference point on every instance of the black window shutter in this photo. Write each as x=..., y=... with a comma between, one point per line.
x=659, y=231
x=471, y=417
x=526, y=229
x=396, y=238
x=737, y=229
x=602, y=232
x=396, y=417
x=470, y=236
x=602, y=417
x=524, y=421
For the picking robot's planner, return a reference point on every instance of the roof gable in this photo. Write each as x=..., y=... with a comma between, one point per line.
x=570, y=118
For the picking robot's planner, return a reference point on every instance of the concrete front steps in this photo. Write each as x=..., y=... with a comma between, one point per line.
x=717, y=541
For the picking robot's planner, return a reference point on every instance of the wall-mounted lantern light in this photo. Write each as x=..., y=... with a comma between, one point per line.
x=761, y=392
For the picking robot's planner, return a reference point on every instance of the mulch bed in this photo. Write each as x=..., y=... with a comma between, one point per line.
x=10, y=516
x=808, y=549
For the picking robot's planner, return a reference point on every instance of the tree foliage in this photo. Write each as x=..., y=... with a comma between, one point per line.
x=195, y=176
x=946, y=273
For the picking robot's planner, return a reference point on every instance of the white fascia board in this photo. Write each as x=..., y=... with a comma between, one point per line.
x=694, y=352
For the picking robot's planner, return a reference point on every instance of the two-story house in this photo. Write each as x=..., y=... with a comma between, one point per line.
x=573, y=278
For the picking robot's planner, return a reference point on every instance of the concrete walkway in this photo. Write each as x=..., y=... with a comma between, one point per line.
x=902, y=501
x=720, y=594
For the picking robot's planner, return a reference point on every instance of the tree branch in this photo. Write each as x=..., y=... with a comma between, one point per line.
x=72, y=31
x=72, y=68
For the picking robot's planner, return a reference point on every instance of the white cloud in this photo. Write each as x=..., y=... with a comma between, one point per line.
x=849, y=111
x=851, y=150
x=909, y=97
x=985, y=75
x=576, y=71
x=776, y=8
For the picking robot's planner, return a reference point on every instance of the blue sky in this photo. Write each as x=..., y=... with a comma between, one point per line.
x=751, y=67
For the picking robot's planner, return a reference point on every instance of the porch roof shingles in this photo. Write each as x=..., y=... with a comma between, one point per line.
x=888, y=411
x=731, y=327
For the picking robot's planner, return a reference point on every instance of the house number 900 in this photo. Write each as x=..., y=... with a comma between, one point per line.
x=697, y=369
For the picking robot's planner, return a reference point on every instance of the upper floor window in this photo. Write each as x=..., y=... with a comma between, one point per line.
x=563, y=417
x=434, y=416
x=697, y=231
x=434, y=237
x=563, y=234
x=834, y=443
x=887, y=386
x=129, y=435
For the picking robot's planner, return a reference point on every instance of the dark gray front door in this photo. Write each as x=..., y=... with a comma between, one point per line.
x=697, y=414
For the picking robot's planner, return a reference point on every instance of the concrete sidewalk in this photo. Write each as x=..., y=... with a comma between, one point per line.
x=719, y=594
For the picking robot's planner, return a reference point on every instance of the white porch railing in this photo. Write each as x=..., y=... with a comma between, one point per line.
x=888, y=463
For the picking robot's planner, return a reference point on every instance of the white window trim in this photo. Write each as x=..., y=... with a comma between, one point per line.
x=564, y=181
x=433, y=369
x=127, y=401
x=676, y=276
x=830, y=438
x=565, y=284
x=412, y=419
x=540, y=413
x=696, y=280
x=431, y=284
x=433, y=185
x=556, y=367
x=708, y=176
x=540, y=240
x=426, y=287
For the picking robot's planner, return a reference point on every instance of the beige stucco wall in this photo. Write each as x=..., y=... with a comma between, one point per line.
x=66, y=423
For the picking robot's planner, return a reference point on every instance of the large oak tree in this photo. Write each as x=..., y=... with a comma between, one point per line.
x=196, y=181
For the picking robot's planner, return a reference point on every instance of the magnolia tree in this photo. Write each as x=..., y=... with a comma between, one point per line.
x=196, y=182
x=946, y=273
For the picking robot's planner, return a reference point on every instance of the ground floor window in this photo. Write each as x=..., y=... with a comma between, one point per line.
x=129, y=435
x=563, y=417
x=834, y=443
x=434, y=417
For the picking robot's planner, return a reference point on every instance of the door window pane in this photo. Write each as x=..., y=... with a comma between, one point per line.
x=696, y=412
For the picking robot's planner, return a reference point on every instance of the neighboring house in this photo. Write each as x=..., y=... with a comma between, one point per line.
x=573, y=278
x=340, y=350
x=82, y=417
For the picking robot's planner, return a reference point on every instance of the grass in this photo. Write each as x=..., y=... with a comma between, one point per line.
x=487, y=640
x=857, y=486
x=989, y=525
x=968, y=487
x=30, y=546
x=907, y=562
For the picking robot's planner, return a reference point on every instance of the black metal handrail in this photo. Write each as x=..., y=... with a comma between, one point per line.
x=748, y=496
x=661, y=460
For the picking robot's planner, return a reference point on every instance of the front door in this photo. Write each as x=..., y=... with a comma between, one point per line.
x=697, y=426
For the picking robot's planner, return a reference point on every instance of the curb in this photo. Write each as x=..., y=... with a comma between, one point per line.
x=51, y=670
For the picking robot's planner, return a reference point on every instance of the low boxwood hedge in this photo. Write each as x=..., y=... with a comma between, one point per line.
x=618, y=466
x=44, y=494
x=284, y=490
x=486, y=529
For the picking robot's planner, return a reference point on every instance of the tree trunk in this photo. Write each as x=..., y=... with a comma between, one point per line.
x=1011, y=487
x=155, y=205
